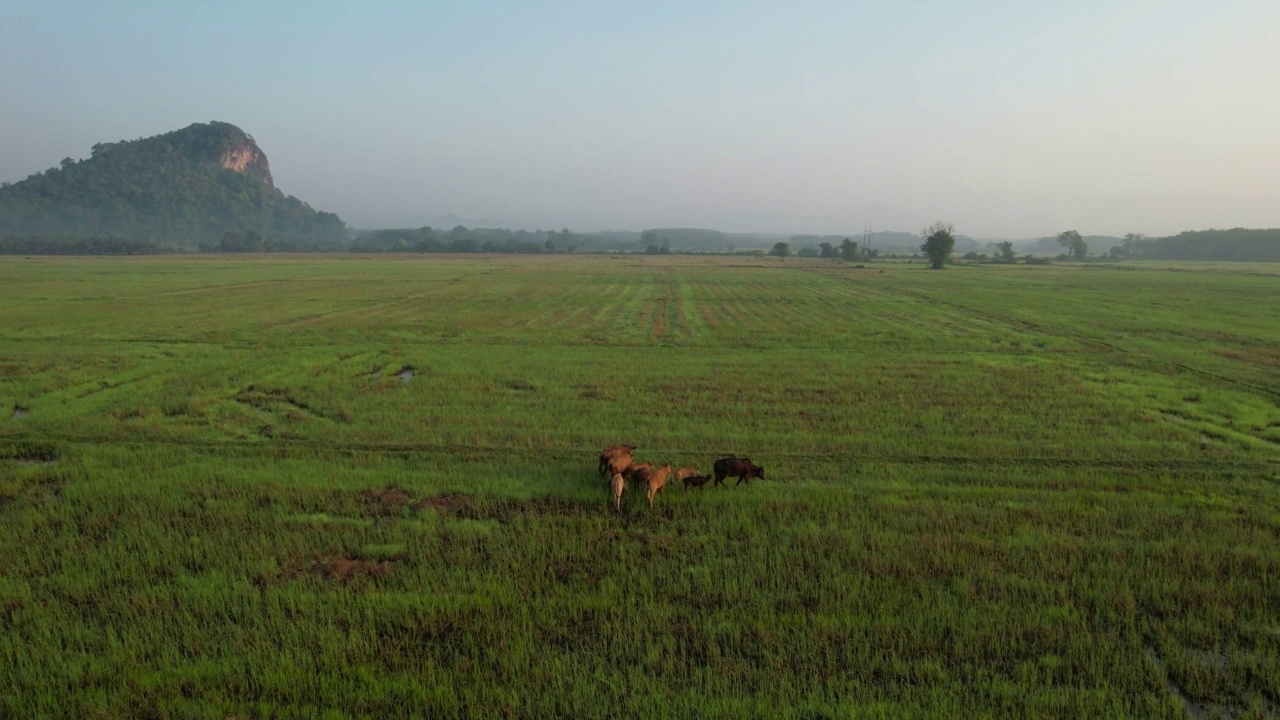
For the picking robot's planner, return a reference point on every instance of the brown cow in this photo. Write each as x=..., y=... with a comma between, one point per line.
x=637, y=472
x=696, y=481
x=741, y=468
x=619, y=486
x=620, y=464
x=616, y=451
x=654, y=481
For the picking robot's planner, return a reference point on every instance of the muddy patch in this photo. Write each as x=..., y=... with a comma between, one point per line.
x=385, y=501
x=391, y=501
x=36, y=463
x=446, y=503
x=343, y=568
x=1193, y=709
x=511, y=511
x=336, y=568
x=522, y=386
x=35, y=486
x=279, y=400
x=29, y=453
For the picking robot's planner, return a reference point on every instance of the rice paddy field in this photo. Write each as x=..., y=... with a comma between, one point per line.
x=366, y=487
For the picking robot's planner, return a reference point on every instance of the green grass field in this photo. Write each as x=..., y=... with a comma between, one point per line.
x=1047, y=491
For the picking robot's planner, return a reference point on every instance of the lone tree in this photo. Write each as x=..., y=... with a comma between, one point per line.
x=1130, y=241
x=1006, y=253
x=849, y=250
x=781, y=249
x=1074, y=244
x=938, y=243
x=827, y=249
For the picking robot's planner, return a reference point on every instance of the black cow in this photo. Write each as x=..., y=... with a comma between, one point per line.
x=741, y=468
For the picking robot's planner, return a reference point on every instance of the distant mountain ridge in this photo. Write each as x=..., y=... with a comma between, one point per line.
x=182, y=189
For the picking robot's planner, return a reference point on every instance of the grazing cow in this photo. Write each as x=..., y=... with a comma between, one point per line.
x=740, y=468
x=610, y=453
x=654, y=480
x=619, y=485
x=620, y=464
x=696, y=481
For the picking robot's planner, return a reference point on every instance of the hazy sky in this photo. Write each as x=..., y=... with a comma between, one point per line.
x=1013, y=118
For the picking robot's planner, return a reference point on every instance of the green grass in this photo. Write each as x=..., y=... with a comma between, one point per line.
x=991, y=491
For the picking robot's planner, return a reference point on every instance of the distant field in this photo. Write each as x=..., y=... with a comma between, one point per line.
x=365, y=486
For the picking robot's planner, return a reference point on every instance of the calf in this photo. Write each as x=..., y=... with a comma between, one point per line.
x=654, y=481
x=696, y=481
x=741, y=468
x=619, y=486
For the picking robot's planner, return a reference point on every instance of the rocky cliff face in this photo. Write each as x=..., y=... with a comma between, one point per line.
x=248, y=159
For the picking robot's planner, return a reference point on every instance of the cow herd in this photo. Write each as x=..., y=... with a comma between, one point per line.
x=619, y=465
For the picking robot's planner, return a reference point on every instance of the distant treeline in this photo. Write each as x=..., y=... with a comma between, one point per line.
x=1237, y=244
x=475, y=240
x=884, y=241
x=73, y=245
x=252, y=241
x=1234, y=244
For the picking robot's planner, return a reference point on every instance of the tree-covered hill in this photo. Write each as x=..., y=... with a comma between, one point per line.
x=183, y=189
x=1234, y=244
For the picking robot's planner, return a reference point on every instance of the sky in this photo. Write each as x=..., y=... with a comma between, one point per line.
x=1007, y=118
